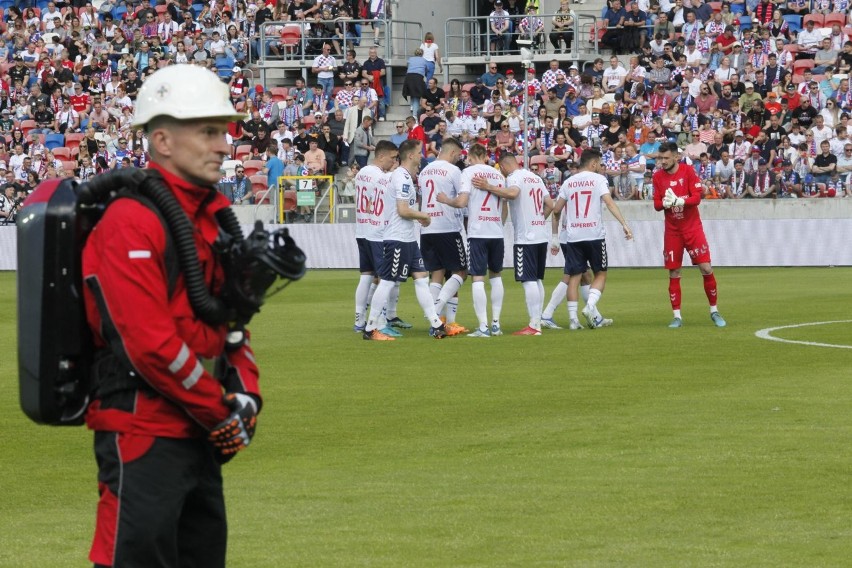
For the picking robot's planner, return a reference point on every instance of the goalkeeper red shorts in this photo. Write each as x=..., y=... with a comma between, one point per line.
x=694, y=242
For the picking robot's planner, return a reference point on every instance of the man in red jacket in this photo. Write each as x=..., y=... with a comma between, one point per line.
x=163, y=422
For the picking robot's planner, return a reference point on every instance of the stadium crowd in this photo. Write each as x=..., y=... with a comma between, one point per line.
x=759, y=107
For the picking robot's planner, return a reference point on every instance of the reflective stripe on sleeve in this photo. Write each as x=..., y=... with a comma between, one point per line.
x=193, y=377
x=180, y=360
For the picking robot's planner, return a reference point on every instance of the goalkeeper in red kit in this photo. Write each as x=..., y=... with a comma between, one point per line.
x=677, y=192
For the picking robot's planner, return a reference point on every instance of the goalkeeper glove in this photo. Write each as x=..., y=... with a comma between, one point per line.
x=668, y=200
x=237, y=430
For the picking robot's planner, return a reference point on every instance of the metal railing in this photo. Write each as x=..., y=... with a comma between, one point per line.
x=472, y=36
x=401, y=37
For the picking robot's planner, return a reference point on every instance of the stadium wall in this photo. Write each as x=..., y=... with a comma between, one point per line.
x=814, y=232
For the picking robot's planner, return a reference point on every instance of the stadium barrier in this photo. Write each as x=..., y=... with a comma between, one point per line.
x=795, y=232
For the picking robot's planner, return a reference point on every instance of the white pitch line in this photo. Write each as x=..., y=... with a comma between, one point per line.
x=767, y=334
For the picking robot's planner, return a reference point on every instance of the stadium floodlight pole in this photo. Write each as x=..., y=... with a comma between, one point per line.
x=527, y=64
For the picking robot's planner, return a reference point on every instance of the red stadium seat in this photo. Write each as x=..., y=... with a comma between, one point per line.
x=27, y=125
x=62, y=153
x=831, y=19
x=242, y=151
x=817, y=19
x=72, y=140
x=253, y=166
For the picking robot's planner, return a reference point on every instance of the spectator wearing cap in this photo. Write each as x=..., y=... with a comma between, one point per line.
x=500, y=29
x=789, y=181
x=572, y=102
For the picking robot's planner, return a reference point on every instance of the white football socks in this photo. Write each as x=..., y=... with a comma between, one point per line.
x=555, y=299
x=424, y=298
x=361, y=293
x=531, y=293
x=380, y=298
x=450, y=289
x=496, y=299
x=480, y=302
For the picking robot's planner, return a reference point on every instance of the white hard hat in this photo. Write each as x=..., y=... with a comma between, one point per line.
x=184, y=92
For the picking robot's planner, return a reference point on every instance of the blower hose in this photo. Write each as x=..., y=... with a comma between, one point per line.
x=149, y=184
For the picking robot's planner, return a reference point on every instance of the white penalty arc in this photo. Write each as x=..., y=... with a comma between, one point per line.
x=767, y=334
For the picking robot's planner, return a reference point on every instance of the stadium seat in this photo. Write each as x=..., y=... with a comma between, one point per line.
x=54, y=141
x=540, y=160
x=196, y=9
x=118, y=13
x=309, y=120
x=290, y=201
x=738, y=8
x=62, y=153
x=258, y=185
x=800, y=65
x=72, y=140
x=794, y=22
x=599, y=29
x=74, y=151
x=715, y=6
x=253, y=166
x=468, y=86
x=225, y=67
x=291, y=38
x=27, y=125
x=241, y=151
x=745, y=22
x=817, y=19
x=69, y=165
x=831, y=19
x=279, y=93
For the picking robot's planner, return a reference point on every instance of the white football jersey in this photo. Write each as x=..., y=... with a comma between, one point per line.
x=440, y=177
x=371, y=187
x=583, y=215
x=401, y=188
x=528, y=208
x=484, y=209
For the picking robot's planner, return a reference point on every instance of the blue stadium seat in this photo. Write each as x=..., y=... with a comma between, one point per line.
x=196, y=9
x=118, y=13
x=738, y=8
x=225, y=67
x=54, y=141
x=794, y=22
x=745, y=22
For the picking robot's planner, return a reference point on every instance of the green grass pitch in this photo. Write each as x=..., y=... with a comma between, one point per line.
x=634, y=445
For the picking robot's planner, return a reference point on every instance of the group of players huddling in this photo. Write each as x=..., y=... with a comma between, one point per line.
x=393, y=198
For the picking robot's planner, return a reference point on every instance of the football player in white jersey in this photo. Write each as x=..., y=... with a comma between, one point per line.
x=401, y=255
x=441, y=242
x=483, y=192
x=529, y=208
x=371, y=186
x=583, y=193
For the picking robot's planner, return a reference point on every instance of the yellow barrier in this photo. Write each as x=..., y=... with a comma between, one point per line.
x=306, y=188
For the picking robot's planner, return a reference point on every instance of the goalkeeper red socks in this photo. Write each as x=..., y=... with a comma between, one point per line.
x=710, y=288
x=674, y=292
